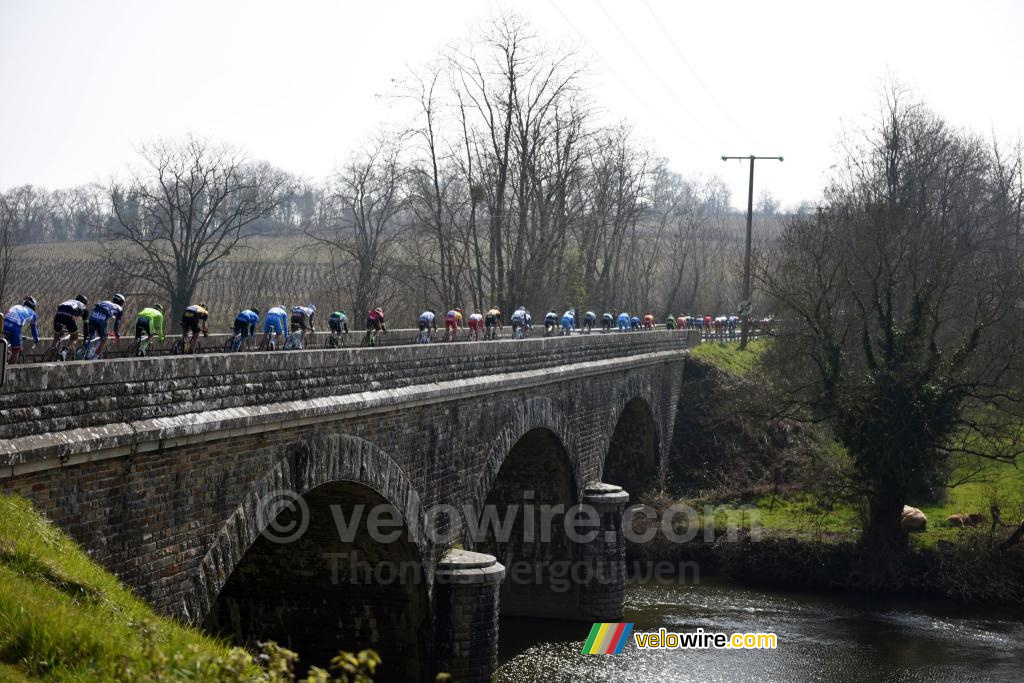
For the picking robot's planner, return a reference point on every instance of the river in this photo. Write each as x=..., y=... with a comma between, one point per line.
x=820, y=637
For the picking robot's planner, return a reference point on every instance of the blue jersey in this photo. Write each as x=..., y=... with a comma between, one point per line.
x=427, y=317
x=624, y=319
x=15, y=319
x=276, y=321
x=104, y=311
x=519, y=316
x=568, y=319
x=248, y=317
x=634, y=322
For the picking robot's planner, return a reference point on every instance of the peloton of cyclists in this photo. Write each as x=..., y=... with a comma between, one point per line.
x=15, y=319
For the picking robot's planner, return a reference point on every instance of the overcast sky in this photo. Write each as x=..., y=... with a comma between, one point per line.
x=298, y=83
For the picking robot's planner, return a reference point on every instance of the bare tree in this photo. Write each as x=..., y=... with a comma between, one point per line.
x=187, y=210
x=361, y=222
x=7, y=245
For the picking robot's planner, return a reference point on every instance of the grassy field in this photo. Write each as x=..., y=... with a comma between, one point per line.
x=63, y=618
x=805, y=514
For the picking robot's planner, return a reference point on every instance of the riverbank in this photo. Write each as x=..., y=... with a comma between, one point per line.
x=778, y=487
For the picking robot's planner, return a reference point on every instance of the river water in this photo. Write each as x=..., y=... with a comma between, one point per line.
x=820, y=638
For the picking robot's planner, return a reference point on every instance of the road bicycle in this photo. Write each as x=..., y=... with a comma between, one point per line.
x=140, y=349
x=62, y=349
x=337, y=339
x=424, y=336
x=89, y=350
x=269, y=342
x=372, y=337
x=237, y=342
x=296, y=342
x=518, y=331
x=194, y=347
x=491, y=333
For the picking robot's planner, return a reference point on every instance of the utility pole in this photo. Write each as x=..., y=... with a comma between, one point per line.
x=747, y=304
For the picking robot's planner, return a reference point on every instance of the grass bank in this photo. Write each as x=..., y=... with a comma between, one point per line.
x=779, y=477
x=63, y=618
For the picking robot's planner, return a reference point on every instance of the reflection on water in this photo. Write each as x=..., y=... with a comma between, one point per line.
x=821, y=638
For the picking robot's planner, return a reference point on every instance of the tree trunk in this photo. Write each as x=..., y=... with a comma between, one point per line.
x=884, y=534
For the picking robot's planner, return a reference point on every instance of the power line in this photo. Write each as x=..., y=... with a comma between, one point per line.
x=653, y=73
x=619, y=78
x=696, y=77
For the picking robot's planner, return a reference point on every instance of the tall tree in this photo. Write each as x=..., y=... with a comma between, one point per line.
x=901, y=307
x=187, y=209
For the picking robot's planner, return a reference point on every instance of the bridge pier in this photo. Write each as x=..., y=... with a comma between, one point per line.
x=466, y=609
x=603, y=595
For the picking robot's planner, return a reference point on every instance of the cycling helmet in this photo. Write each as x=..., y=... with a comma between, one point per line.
x=379, y=311
x=82, y=300
x=342, y=312
x=117, y=299
x=255, y=310
x=204, y=306
x=312, y=308
x=158, y=307
x=458, y=309
x=30, y=301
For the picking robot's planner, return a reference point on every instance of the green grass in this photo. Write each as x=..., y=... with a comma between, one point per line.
x=727, y=355
x=63, y=618
x=804, y=515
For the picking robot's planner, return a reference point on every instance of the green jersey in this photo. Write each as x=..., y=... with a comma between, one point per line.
x=155, y=319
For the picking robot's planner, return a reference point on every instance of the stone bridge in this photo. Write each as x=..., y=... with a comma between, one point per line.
x=247, y=492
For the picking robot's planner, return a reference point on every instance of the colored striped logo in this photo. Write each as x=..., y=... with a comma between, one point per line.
x=607, y=639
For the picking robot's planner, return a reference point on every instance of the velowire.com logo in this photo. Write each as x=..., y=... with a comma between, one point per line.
x=607, y=639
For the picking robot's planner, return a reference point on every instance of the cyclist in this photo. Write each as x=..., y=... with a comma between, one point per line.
x=518, y=321
x=101, y=313
x=670, y=322
x=568, y=322
x=246, y=323
x=302, y=318
x=194, y=319
x=427, y=323
x=707, y=325
x=451, y=323
x=375, y=321
x=623, y=322
x=65, y=317
x=681, y=321
x=276, y=322
x=648, y=321
x=607, y=322
x=492, y=322
x=150, y=321
x=14, y=322
x=550, y=321
x=475, y=322
x=338, y=322
x=589, y=318
x=731, y=323
x=634, y=323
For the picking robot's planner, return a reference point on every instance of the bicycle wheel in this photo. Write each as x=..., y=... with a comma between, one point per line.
x=50, y=355
x=177, y=348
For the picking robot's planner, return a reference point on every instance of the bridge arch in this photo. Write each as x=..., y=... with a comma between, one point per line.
x=524, y=417
x=633, y=456
x=523, y=526
x=312, y=576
